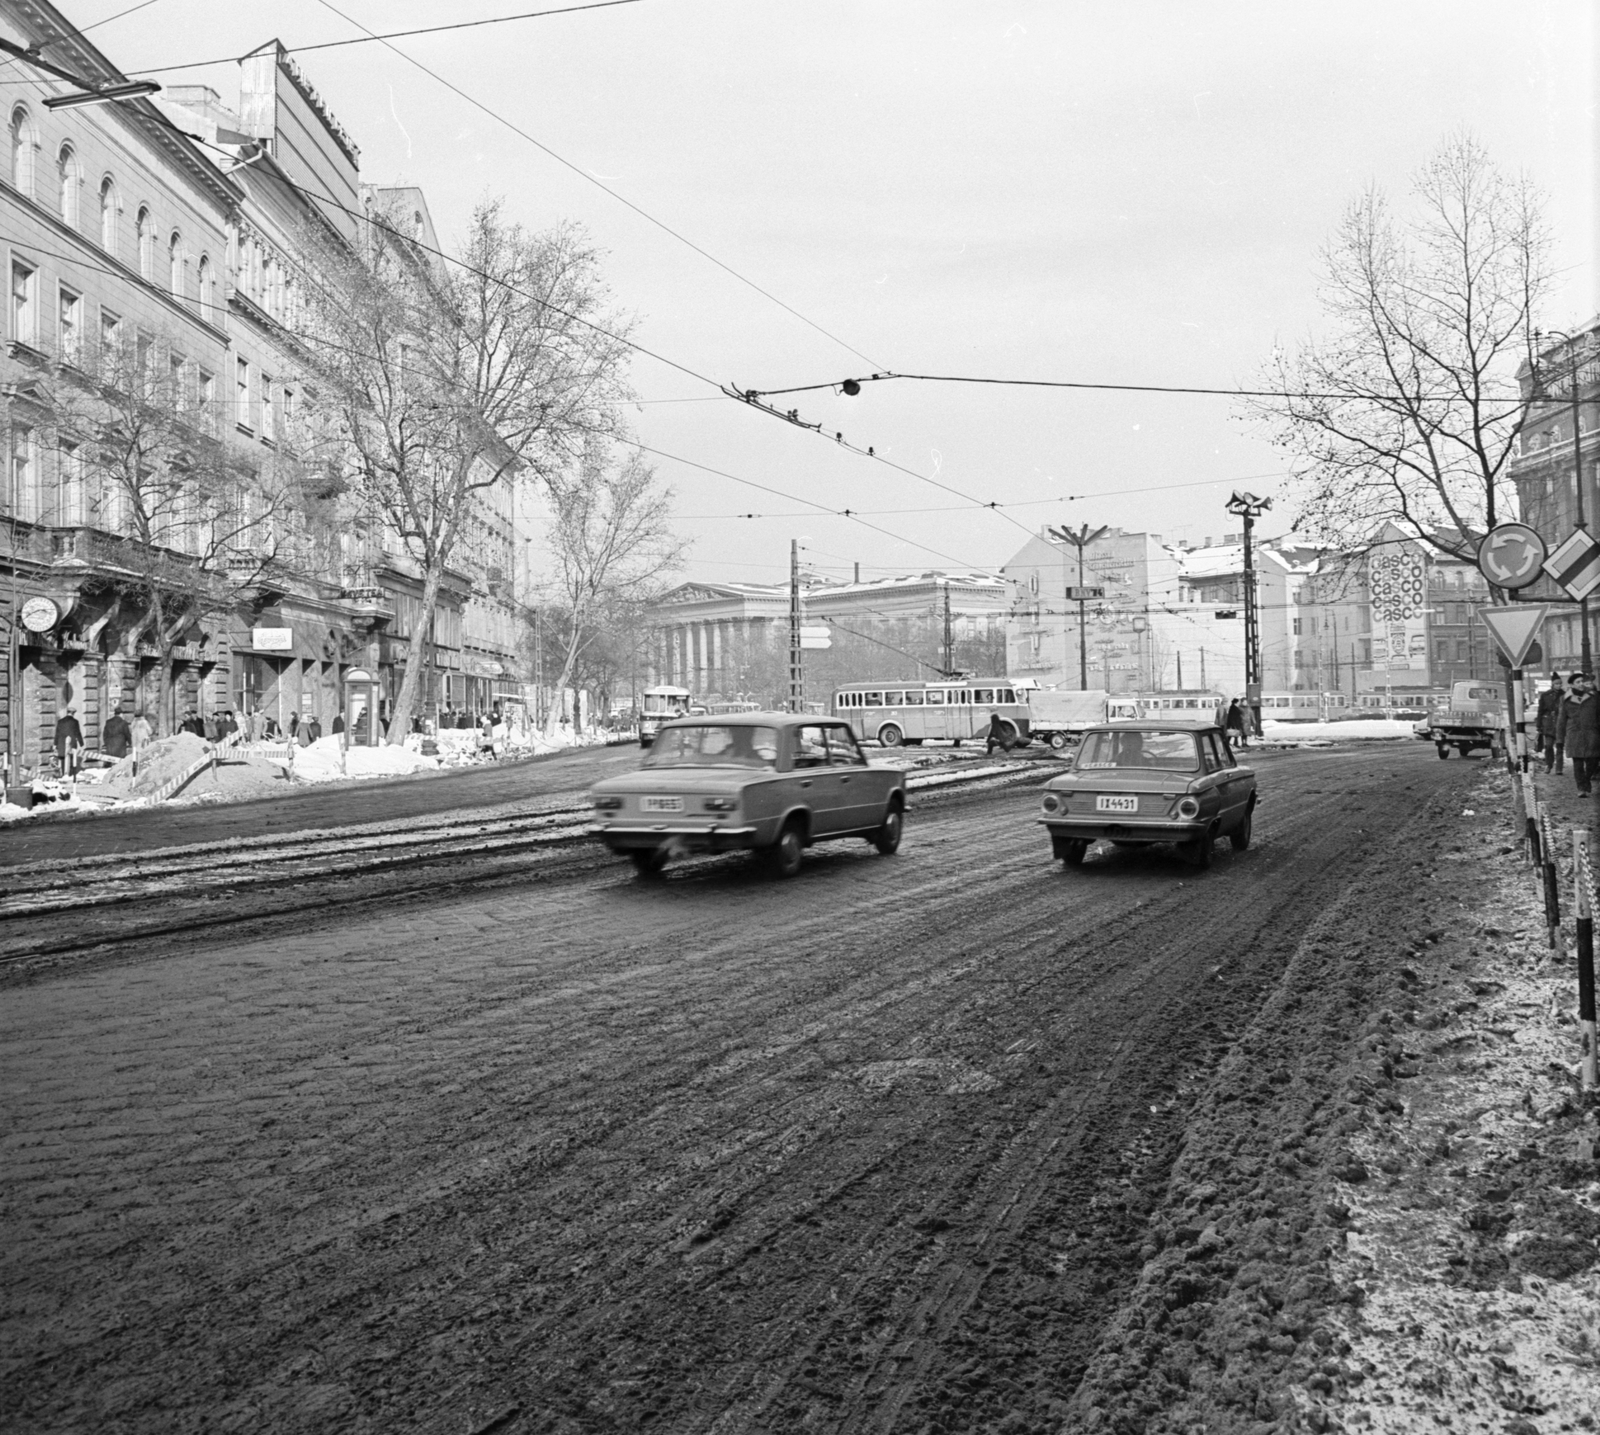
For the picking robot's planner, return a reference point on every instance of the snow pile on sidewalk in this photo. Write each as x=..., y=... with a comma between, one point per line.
x=1355, y=729
x=320, y=762
x=163, y=760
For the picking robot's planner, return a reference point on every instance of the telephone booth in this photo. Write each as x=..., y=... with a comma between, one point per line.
x=361, y=697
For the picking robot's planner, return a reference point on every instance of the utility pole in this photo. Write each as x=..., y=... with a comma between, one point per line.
x=949, y=666
x=1248, y=507
x=1079, y=540
x=797, y=676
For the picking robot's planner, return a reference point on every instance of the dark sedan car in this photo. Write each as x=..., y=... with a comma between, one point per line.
x=1136, y=783
x=771, y=782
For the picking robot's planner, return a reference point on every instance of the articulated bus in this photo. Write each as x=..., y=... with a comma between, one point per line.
x=900, y=712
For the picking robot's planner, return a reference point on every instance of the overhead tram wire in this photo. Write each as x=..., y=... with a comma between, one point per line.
x=599, y=184
x=368, y=38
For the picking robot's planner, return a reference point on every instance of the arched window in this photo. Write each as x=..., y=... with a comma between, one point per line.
x=208, y=298
x=145, y=233
x=108, y=215
x=175, y=264
x=22, y=150
x=68, y=182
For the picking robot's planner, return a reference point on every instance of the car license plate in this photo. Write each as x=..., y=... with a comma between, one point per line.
x=663, y=804
x=1116, y=804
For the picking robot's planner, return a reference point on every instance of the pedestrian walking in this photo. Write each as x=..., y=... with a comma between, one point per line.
x=210, y=727
x=312, y=727
x=69, y=742
x=228, y=724
x=257, y=724
x=118, y=737
x=1544, y=724
x=1000, y=735
x=1578, y=730
x=1235, y=725
x=141, y=731
x=338, y=722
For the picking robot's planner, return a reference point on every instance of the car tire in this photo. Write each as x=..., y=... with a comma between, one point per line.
x=1058, y=740
x=1198, y=852
x=1073, y=851
x=783, y=857
x=1240, y=836
x=648, y=861
x=887, y=838
x=1444, y=751
x=890, y=735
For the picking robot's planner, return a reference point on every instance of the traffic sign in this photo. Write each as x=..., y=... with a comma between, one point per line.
x=816, y=643
x=1511, y=555
x=1085, y=595
x=1575, y=565
x=1514, y=629
x=815, y=630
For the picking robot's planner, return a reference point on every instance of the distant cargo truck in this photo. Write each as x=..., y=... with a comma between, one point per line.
x=1473, y=719
x=1059, y=717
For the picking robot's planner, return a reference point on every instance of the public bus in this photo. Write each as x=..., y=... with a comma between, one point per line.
x=1304, y=707
x=658, y=705
x=721, y=709
x=899, y=712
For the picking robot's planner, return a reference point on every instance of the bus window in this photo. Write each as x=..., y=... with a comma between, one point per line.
x=1005, y=695
x=913, y=698
x=894, y=700
x=983, y=696
x=871, y=700
x=933, y=698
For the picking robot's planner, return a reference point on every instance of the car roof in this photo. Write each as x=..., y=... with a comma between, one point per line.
x=1173, y=724
x=756, y=719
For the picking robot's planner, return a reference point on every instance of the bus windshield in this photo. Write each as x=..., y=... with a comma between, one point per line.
x=1168, y=751
x=714, y=745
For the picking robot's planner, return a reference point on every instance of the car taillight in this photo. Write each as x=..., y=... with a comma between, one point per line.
x=721, y=804
x=1189, y=808
x=607, y=804
x=1052, y=803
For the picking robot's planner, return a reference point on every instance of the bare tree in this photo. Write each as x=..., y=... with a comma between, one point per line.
x=448, y=381
x=192, y=522
x=611, y=546
x=1408, y=411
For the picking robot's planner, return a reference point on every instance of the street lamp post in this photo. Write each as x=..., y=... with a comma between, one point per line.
x=1577, y=469
x=1079, y=540
x=1248, y=507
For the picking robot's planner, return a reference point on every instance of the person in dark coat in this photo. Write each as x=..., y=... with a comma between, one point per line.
x=1001, y=735
x=1235, y=724
x=1545, y=716
x=338, y=721
x=191, y=723
x=312, y=728
x=69, y=742
x=1578, y=730
x=118, y=738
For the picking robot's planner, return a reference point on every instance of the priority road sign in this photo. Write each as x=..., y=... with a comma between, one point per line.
x=1575, y=564
x=1514, y=629
x=1511, y=555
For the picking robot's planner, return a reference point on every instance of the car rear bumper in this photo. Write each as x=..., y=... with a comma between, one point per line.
x=633, y=837
x=1092, y=829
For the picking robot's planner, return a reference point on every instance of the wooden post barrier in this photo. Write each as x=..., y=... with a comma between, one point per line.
x=1583, y=881
x=1530, y=806
x=1552, y=889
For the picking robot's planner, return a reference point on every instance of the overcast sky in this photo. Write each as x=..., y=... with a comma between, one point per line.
x=1110, y=193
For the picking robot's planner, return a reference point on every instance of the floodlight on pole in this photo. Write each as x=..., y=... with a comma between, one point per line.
x=1248, y=507
x=134, y=90
x=1079, y=540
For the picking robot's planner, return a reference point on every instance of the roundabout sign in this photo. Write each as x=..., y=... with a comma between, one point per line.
x=1511, y=555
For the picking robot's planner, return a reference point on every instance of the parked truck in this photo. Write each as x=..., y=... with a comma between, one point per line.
x=1473, y=720
x=1062, y=717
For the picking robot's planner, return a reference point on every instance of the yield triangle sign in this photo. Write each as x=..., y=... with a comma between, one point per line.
x=1514, y=629
x=1575, y=565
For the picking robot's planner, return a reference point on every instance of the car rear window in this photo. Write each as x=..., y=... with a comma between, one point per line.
x=714, y=745
x=1166, y=751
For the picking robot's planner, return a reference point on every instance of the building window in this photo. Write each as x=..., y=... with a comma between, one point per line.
x=206, y=393
x=241, y=393
x=177, y=372
x=24, y=315
x=269, y=416
x=24, y=478
x=108, y=215
x=144, y=352
x=145, y=235
x=22, y=151
x=68, y=181
x=110, y=338
x=1294, y=624
x=71, y=505
x=70, y=327
x=175, y=264
x=208, y=298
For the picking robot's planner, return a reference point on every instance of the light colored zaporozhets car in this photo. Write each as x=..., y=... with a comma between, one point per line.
x=771, y=782
x=1135, y=783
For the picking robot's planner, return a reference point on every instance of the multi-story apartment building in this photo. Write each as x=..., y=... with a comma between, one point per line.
x=158, y=245
x=1560, y=441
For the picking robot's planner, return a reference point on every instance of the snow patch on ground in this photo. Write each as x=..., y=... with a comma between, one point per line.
x=1357, y=729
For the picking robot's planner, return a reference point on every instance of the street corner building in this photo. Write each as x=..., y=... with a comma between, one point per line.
x=177, y=530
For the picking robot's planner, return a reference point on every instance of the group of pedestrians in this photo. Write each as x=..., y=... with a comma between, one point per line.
x=119, y=739
x=1567, y=725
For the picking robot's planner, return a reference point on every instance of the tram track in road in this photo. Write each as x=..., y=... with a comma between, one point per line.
x=50, y=911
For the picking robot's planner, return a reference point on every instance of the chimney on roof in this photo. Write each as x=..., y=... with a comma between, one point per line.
x=858, y=572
